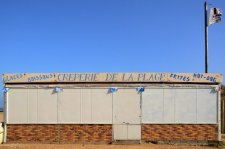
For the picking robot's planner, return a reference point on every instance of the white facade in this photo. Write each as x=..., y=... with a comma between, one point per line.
x=87, y=98
x=186, y=104
x=71, y=106
x=180, y=105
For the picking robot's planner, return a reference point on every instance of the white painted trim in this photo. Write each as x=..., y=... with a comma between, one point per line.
x=107, y=85
x=5, y=116
x=183, y=123
x=219, y=114
x=119, y=124
x=81, y=105
x=112, y=117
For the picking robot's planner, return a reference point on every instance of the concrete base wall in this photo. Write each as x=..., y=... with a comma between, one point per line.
x=179, y=132
x=102, y=133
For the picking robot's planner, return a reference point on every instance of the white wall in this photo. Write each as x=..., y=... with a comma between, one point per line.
x=101, y=106
x=177, y=105
x=17, y=105
x=126, y=106
x=90, y=106
x=32, y=100
x=69, y=106
x=206, y=106
x=47, y=106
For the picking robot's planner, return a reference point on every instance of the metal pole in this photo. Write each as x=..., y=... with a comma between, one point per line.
x=206, y=38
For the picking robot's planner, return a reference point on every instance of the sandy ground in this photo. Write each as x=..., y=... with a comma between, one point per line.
x=89, y=146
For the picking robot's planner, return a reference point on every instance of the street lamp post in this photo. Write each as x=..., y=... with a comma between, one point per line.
x=206, y=37
x=215, y=17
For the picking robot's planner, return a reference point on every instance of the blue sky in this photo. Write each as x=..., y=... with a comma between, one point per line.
x=108, y=36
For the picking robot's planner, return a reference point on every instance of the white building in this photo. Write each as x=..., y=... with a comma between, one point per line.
x=108, y=107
